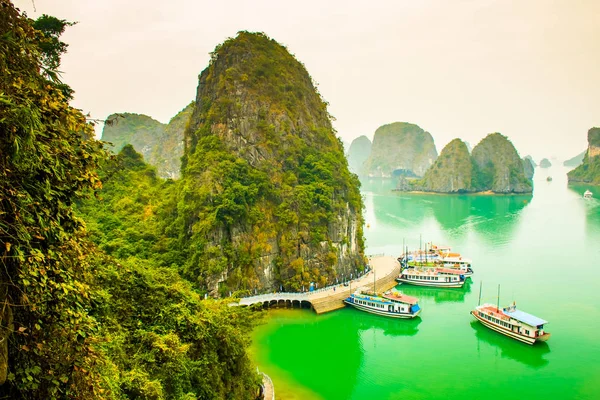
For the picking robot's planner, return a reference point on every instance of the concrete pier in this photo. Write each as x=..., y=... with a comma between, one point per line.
x=383, y=274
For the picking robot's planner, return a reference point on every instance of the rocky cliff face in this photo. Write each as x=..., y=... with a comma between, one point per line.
x=498, y=167
x=161, y=145
x=268, y=200
x=400, y=148
x=451, y=172
x=589, y=170
x=528, y=167
x=359, y=151
x=494, y=165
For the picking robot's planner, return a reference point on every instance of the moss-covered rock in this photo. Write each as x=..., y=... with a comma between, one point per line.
x=451, y=172
x=400, y=148
x=589, y=170
x=267, y=199
x=498, y=167
x=359, y=152
x=160, y=144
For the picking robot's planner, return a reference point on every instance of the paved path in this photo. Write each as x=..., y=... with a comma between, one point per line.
x=384, y=270
x=269, y=393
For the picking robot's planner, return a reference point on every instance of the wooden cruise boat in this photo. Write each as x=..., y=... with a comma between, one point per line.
x=512, y=322
x=391, y=304
x=436, y=277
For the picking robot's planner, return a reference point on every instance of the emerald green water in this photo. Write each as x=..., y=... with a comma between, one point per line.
x=544, y=251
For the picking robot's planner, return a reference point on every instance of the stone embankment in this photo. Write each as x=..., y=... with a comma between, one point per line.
x=382, y=277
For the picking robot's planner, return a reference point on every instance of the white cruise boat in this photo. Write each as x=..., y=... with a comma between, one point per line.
x=436, y=277
x=512, y=322
x=391, y=304
x=587, y=194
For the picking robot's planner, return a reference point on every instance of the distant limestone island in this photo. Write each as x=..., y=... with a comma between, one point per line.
x=160, y=144
x=493, y=167
x=545, y=163
x=589, y=170
x=399, y=149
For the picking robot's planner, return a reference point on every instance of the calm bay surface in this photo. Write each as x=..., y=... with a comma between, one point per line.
x=543, y=251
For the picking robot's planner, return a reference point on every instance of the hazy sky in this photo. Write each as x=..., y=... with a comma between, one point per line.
x=529, y=69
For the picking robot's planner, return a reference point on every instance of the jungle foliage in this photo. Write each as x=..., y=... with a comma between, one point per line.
x=86, y=321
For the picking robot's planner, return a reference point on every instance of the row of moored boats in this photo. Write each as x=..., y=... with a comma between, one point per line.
x=439, y=267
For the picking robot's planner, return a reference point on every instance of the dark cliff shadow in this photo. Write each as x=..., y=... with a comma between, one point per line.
x=532, y=356
x=439, y=295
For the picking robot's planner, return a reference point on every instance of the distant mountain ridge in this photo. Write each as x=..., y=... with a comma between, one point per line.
x=160, y=144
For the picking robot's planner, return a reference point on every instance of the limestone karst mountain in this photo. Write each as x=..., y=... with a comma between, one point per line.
x=494, y=165
x=400, y=149
x=589, y=170
x=160, y=144
x=267, y=200
x=358, y=153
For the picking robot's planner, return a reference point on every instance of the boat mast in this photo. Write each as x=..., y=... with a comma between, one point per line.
x=498, y=300
x=480, y=285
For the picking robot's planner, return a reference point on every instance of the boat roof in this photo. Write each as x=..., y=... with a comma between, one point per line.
x=401, y=297
x=524, y=317
x=449, y=271
x=453, y=258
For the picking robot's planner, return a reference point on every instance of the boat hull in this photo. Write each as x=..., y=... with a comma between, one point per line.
x=432, y=284
x=506, y=332
x=382, y=312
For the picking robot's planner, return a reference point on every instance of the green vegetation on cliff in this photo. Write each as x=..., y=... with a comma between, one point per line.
x=267, y=198
x=498, y=167
x=589, y=170
x=77, y=321
x=359, y=152
x=400, y=147
x=451, y=172
x=161, y=339
x=494, y=165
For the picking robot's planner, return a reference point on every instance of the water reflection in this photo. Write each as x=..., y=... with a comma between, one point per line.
x=494, y=217
x=439, y=295
x=532, y=356
x=321, y=344
x=591, y=206
x=390, y=326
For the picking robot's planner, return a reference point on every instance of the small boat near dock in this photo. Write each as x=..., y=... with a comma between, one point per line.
x=436, y=277
x=391, y=304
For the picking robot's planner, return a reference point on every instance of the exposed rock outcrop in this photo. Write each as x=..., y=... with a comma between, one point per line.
x=161, y=145
x=359, y=152
x=269, y=201
x=498, y=167
x=451, y=172
x=528, y=167
x=400, y=148
x=589, y=170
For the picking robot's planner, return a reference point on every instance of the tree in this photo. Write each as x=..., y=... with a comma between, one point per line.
x=46, y=164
